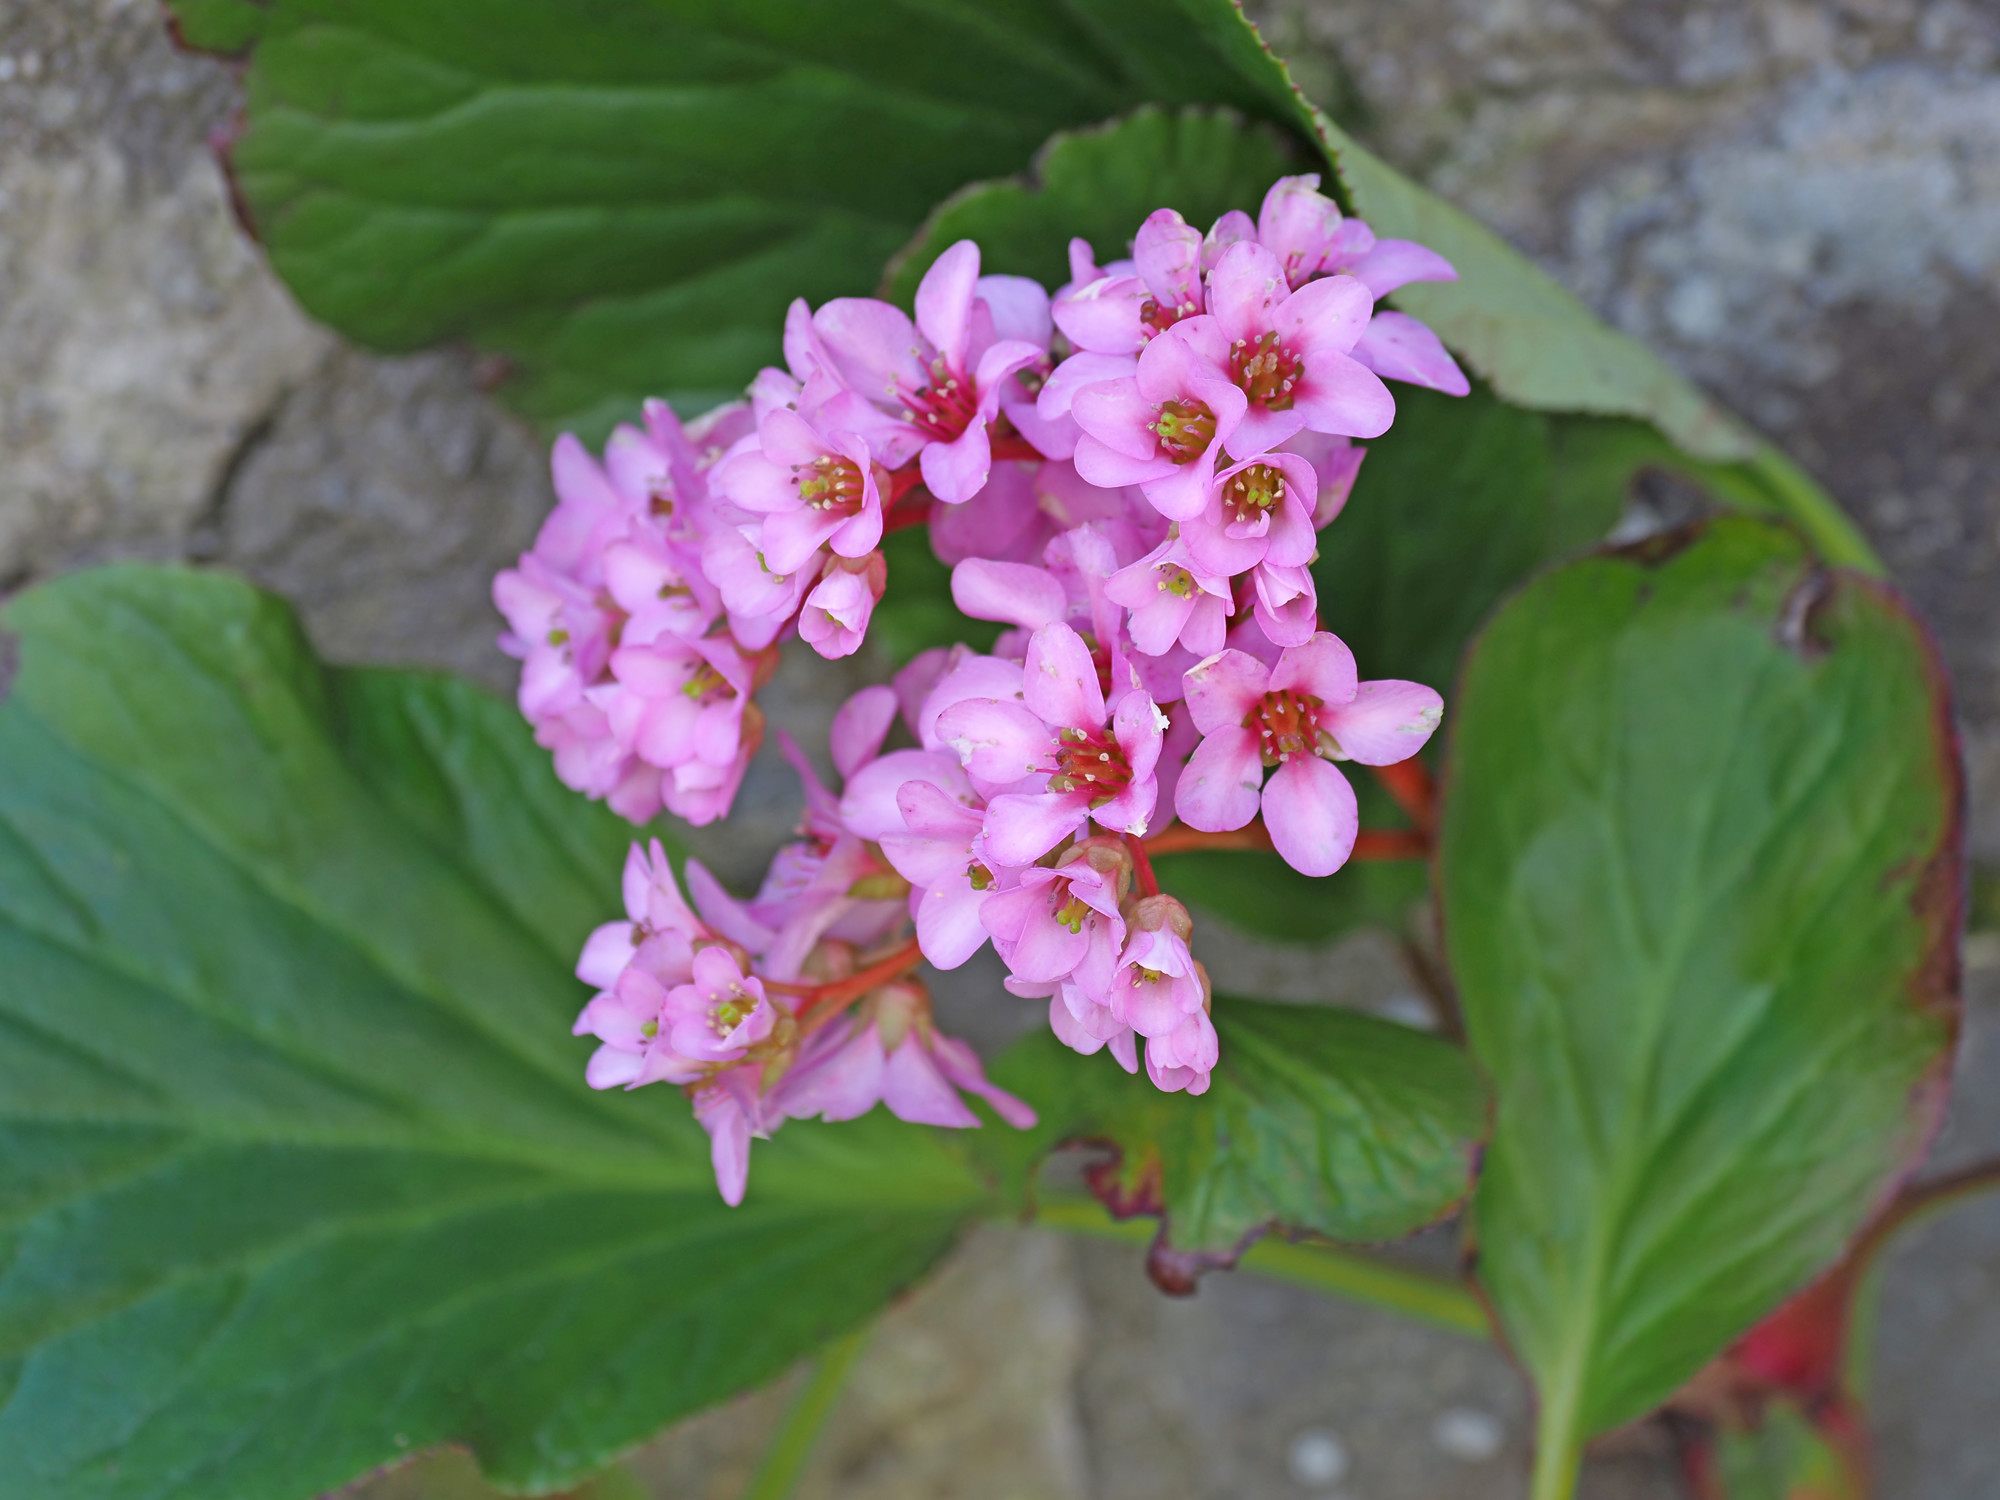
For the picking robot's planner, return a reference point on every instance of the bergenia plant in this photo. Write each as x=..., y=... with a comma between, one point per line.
x=1212, y=529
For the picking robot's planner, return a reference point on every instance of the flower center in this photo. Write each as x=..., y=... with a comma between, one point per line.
x=1287, y=724
x=728, y=1012
x=1266, y=370
x=830, y=483
x=978, y=876
x=705, y=684
x=1254, y=493
x=943, y=409
x=1185, y=429
x=1176, y=581
x=1088, y=761
x=1071, y=910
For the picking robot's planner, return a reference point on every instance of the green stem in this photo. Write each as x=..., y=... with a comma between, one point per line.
x=1437, y=1300
x=785, y=1460
x=1819, y=515
x=1558, y=1453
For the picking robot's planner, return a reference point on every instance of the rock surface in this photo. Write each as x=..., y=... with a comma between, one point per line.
x=1797, y=200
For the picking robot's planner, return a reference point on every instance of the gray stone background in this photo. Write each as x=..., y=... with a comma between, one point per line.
x=1798, y=201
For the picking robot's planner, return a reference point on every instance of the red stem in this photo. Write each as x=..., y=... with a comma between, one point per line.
x=855, y=985
x=1409, y=782
x=1142, y=867
x=1370, y=843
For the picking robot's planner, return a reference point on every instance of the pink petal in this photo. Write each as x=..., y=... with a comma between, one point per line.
x=916, y=1091
x=612, y=1067
x=1393, y=263
x=868, y=806
x=872, y=345
x=1387, y=722
x=1118, y=416
x=1104, y=317
x=971, y=677
x=1167, y=252
x=1224, y=778
x=1014, y=592
x=1052, y=439
x=1323, y=667
x=1398, y=347
x=1000, y=361
x=1108, y=468
x=790, y=538
x=1342, y=396
x=606, y=952
x=840, y=1082
x=1020, y=308
x=859, y=727
x=948, y=927
x=960, y=1066
x=944, y=302
x=1023, y=826
x=998, y=742
x=1223, y=689
x=1324, y=315
x=1059, y=680
x=1245, y=289
x=1232, y=228
x=1310, y=813
x=956, y=471
x=1059, y=391
x=1299, y=224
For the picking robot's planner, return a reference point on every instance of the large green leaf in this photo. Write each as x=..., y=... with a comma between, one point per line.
x=1100, y=184
x=1317, y=1120
x=1699, y=865
x=299, y=1169
x=622, y=197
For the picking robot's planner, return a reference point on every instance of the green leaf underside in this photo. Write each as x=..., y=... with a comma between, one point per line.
x=1101, y=184
x=300, y=1172
x=1698, y=865
x=1319, y=1120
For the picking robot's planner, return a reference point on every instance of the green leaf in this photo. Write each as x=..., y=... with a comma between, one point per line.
x=1454, y=506
x=621, y=198
x=1317, y=1120
x=1699, y=870
x=1101, y=183
x=300, y=1173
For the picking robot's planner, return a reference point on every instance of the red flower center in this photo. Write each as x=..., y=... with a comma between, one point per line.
x=1157, y=319
x=1185, y=429
x=1287, y=724
x=1266, y=370
x=943, y=409
x=1090, y=761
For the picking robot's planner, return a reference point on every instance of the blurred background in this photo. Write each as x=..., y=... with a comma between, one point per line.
x=1797, y=201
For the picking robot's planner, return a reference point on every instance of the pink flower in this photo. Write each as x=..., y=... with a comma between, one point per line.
x=1289, y=352
x=887, y=1051
x=734, y=1110
x=949, y=884
x=685, y=708
x=1064, y=923
x=1259, y=511
x=653, y=907
x=1173, y=600
x=1299, y=716
x=1183, y=1058
x=813, y=489
x=1056, y=759
x=946, y=375
x=834, y=619
x=1162, y=428
x=720, y=1013
x=1157, y=984
x=1117, y=314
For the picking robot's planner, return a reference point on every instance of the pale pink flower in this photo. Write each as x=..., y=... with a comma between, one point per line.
x=733, y=1108
x=1258, y=511
x=949, y=884
x=1162, y=428
x=1184, y=1057
x=1173, y=600
x=1062, y=923
x=888, y=1051
x=653, y=906
x=946, y=375
x=684, y=707
x=1116, y=314
x=1157, y=984
x=814, y=489
x=1296, y=717
x=1290, y=353
x=834, y=618
x=1057, y=758
x=720, y=1012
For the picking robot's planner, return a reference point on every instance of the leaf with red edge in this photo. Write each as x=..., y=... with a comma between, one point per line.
x=1317, y=1120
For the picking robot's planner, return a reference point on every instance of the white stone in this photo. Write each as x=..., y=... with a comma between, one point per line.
x=1317, y=1459
x=1468, y=1434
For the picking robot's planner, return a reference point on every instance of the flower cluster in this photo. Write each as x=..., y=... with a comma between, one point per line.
x=1132, y=475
